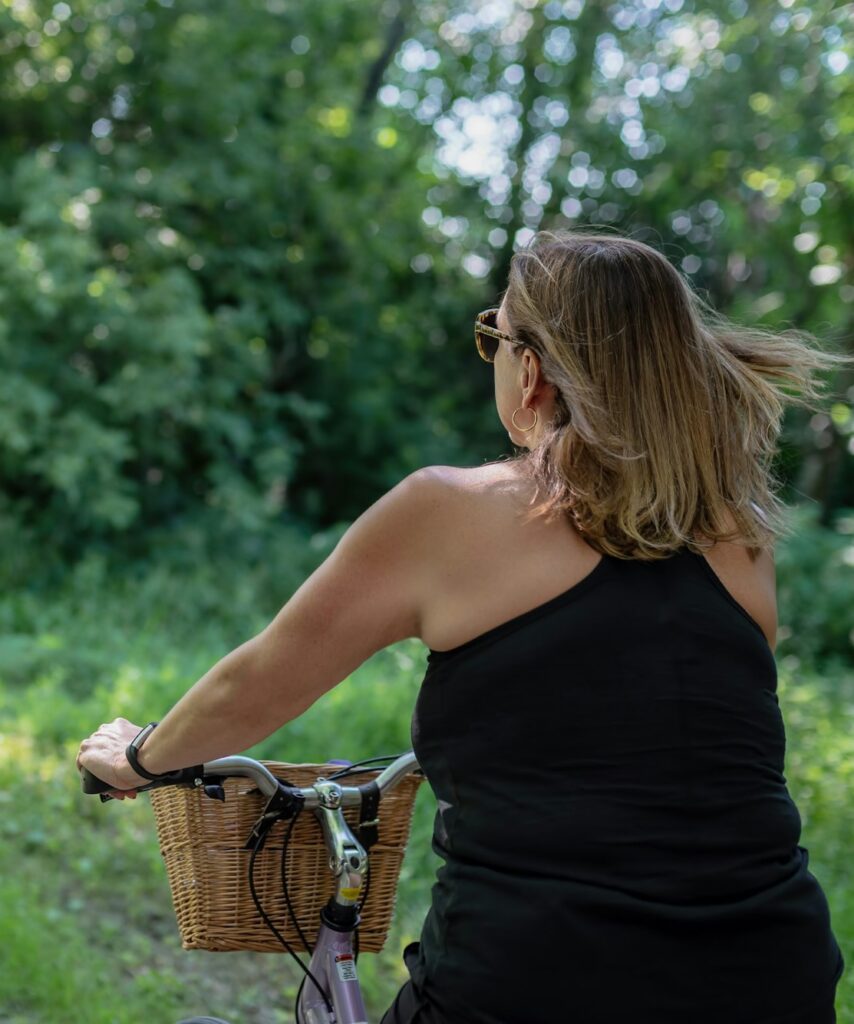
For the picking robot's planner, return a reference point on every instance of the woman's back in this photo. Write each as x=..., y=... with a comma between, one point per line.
x=607, y=758
x=490, y=567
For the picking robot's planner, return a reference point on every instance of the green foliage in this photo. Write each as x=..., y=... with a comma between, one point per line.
x=181, y=291
x=238, y=271
x=815, y=591
x=61, y=986
x=114, y=389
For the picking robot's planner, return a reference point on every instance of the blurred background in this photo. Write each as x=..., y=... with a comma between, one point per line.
x=241, y=249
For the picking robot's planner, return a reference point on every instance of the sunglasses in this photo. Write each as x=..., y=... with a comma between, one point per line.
x=487, y=336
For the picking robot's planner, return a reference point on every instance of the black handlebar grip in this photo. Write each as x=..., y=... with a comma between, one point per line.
x=183, y=776
x=92, y=784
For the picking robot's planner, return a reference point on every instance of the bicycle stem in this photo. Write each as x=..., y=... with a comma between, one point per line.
x=347, y=856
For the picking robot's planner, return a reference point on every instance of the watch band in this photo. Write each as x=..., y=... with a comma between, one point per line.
x=133, y=749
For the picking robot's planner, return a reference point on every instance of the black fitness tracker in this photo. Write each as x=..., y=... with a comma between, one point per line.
x=133, y=749
x=188, y=775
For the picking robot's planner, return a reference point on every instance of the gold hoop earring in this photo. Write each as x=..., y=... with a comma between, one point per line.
x=524, y=429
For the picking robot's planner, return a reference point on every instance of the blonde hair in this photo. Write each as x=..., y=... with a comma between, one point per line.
x=667, y=412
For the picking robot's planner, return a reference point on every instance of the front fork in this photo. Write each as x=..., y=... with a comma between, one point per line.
x=332, y=962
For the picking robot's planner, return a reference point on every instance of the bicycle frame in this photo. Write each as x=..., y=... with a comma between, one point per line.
x=332, y=962
x=334, y=965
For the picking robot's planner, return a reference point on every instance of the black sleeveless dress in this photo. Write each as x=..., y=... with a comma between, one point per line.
x=618, y=839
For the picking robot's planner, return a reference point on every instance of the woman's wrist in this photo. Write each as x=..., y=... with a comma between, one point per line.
x=129, y=778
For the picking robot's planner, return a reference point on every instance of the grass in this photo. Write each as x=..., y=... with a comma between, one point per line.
x=87, y=930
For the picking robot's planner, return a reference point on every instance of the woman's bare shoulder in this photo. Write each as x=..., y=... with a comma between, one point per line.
x=475, y=479
x=468, y=504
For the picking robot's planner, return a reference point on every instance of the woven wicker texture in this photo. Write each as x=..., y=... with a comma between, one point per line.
x=202, y=840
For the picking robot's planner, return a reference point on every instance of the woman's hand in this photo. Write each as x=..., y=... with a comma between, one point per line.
x=103, y=753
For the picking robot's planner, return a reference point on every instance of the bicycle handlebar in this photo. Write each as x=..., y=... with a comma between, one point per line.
x=351, y=796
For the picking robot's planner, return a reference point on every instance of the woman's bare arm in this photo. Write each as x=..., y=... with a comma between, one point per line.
x=368, y=594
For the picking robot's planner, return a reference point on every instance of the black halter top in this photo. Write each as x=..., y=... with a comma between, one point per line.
x=617, y=837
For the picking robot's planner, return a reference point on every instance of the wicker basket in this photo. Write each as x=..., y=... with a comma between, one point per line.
x=202, y=843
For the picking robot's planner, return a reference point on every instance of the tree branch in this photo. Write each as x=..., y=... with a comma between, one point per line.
x=396, y=32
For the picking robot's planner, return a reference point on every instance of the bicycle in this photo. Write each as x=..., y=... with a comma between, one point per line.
x=333, y=995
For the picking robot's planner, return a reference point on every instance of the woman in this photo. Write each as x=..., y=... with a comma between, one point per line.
x=599, y=718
